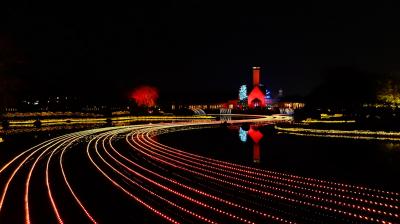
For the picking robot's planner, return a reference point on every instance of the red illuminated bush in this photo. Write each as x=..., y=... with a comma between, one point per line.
x=145, y=96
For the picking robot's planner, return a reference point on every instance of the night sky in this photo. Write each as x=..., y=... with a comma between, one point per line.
x=192, y=49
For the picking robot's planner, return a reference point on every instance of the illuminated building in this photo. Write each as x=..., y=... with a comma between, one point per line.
x=256, y=98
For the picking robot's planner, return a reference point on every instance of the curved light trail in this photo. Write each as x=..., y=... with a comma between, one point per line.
x=84, y=177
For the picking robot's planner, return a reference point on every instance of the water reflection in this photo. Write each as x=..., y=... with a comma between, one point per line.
x=374, y=163
x=392, y=146
x=225, y=118
x=242, y=135
x=256, y=137
x=256, y=153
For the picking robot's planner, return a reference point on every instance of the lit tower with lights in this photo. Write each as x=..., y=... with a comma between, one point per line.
x=256, y=98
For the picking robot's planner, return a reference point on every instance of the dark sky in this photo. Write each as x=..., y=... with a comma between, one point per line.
x=190, y=49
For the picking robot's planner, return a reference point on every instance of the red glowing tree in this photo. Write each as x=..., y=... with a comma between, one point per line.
x=145, y=96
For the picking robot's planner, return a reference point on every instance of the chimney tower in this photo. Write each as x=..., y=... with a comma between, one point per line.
x=256, y=76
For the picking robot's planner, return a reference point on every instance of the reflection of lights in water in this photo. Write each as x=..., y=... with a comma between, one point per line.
x=328, y=121
x=354, y=134
x=242, y=135
x=173, y=168
x=330, y=131
x=226, y=118
x=342, y=136
x=256, y=153
x=255, y=135
x=392, y=146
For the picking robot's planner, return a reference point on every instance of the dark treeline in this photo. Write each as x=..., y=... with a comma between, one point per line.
x=344, y=88
x=371, y=99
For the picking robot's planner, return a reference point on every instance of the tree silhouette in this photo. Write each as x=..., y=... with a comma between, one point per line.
x=344, y=87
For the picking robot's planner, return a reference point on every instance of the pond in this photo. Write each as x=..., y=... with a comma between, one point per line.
x=373, y=163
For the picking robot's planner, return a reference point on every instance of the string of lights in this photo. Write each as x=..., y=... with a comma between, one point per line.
x=178, y=186
x=350, y=134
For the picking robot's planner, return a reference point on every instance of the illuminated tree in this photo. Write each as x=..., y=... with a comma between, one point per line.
x=145, y=96
x=389, y=92
x=243, y=93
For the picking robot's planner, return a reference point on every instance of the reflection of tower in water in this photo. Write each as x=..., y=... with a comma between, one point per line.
x=256, y=153
x=256, y=136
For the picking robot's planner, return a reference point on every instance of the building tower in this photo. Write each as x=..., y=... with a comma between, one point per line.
x=256, y=76
x=256, y=98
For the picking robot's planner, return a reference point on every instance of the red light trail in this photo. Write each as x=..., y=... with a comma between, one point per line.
x=174, y=185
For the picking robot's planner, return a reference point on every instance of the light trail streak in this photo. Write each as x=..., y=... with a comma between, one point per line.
x=28, y=150
x=252, y=189
x=19, y=167
x=53, y=204
x=90, y=217
x=179, y=186
x=201, y=218
x=174, y=162
x=190, y=199
x=287, y=177
x=173, y=181
x=124, y=190
x=27, y=183
x=266, y=178
x=77, y=200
